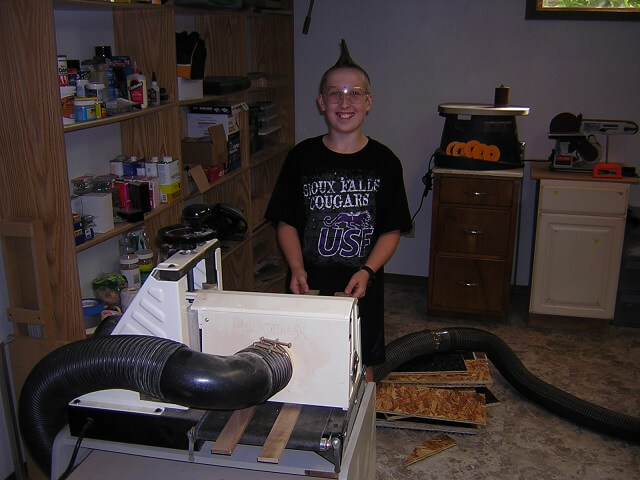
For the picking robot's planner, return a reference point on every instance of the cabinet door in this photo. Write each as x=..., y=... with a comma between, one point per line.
x=576, y=265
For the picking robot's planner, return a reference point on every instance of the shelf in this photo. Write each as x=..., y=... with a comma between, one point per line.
x=229, y=248
x=99, y=4
x=227, y=177
x=210, y=98
x=116, y=119
x=122, y=228
x=272, y=82
x=267, y=153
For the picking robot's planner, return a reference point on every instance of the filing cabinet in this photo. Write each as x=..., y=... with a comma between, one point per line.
x=473, y=231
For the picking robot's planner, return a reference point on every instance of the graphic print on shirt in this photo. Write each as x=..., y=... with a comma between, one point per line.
x=340, y=217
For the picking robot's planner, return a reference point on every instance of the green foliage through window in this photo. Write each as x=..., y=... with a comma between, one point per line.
x=591, y=3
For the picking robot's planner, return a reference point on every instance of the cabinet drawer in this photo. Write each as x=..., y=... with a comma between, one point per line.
x=467, y=285
x=476, y=191
x=588, y=198
x=473, y=231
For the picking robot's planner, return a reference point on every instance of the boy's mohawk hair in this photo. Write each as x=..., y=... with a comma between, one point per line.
x=344, y=61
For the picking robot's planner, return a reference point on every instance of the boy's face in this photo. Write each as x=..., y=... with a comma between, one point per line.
x=345, y=100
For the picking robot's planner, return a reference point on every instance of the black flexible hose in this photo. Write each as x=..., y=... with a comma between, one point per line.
x=160, y=368
x=564, y=404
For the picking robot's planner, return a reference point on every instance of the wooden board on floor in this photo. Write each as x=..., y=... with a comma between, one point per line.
x=280, y=432
x=477, y=375
x=434, y=445
x=232, y=431
x=432, y=403
x=424, y=424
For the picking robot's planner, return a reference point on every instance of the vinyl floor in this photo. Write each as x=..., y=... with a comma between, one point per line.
x=521, y=439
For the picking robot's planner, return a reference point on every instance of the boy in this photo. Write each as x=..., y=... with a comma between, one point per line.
x=340, y=205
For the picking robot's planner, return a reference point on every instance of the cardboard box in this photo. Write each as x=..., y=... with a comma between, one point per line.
x=205, y=115
x=190, y=89
x=99, y=206
x=210, y=151
x=198, y=124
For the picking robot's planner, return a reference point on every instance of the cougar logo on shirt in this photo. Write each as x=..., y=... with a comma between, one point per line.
x=346, y=234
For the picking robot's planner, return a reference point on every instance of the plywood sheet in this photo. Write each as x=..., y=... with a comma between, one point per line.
x=436, y=403
x=424, y=424
x=477, y=375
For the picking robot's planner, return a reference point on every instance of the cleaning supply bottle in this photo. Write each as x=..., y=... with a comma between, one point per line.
x=154, y=91
x=137, y=87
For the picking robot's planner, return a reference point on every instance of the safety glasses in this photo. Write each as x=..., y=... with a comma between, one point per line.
x=355, y=95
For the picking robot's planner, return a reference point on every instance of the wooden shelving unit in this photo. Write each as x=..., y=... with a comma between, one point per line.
x=34, y=171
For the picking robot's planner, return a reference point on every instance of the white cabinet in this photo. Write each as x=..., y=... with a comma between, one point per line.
x=578, y=246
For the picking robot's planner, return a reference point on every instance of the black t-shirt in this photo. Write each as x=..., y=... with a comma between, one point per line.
x=340, y=204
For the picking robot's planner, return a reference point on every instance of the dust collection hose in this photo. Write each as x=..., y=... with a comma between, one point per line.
x=572, y=408
x=161, y=368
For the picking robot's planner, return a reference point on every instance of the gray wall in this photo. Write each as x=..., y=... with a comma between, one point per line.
x=422, y=53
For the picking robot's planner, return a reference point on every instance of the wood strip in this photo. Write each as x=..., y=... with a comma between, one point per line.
x=232, y=431
x=279, y=435
x=430, y=447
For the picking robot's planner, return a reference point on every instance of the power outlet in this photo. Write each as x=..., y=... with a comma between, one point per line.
x=411, y=233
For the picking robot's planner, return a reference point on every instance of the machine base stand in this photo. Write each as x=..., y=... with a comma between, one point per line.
x=100, y=459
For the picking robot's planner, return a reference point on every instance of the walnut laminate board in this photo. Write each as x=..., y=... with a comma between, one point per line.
x=435, y=403
x=232, y=431
x=280, y=432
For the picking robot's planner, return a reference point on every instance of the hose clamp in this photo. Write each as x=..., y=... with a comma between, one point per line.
x=272, y=346
x=442, y=338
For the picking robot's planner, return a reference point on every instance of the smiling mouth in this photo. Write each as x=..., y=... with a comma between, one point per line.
x=345, y=115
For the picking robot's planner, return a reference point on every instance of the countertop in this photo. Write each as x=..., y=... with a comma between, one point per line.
x=540, y=171
x=507, y=172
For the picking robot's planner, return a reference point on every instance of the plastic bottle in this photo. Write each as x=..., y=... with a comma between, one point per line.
x=154, y=91
x=137, y=87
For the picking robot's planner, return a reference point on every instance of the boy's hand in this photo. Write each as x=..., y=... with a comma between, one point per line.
x=298, y=283
x=357, y=286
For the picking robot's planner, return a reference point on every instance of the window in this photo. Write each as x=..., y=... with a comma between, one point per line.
x=584, y=9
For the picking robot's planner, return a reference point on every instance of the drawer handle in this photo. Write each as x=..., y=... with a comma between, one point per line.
x=467, y=284
x=471, y=231
x=475, y=194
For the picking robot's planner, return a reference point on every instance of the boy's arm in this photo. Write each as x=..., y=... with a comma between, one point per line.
x=380, y=254
x=290, y=244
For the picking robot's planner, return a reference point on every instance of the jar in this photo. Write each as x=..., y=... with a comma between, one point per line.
x=85, y=108
x=94, y=89
x=130, y=269
x=81, y=87
x=146, y=263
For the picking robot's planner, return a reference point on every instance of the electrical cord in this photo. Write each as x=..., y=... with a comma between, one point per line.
x=427, y=179
x=76, y=449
